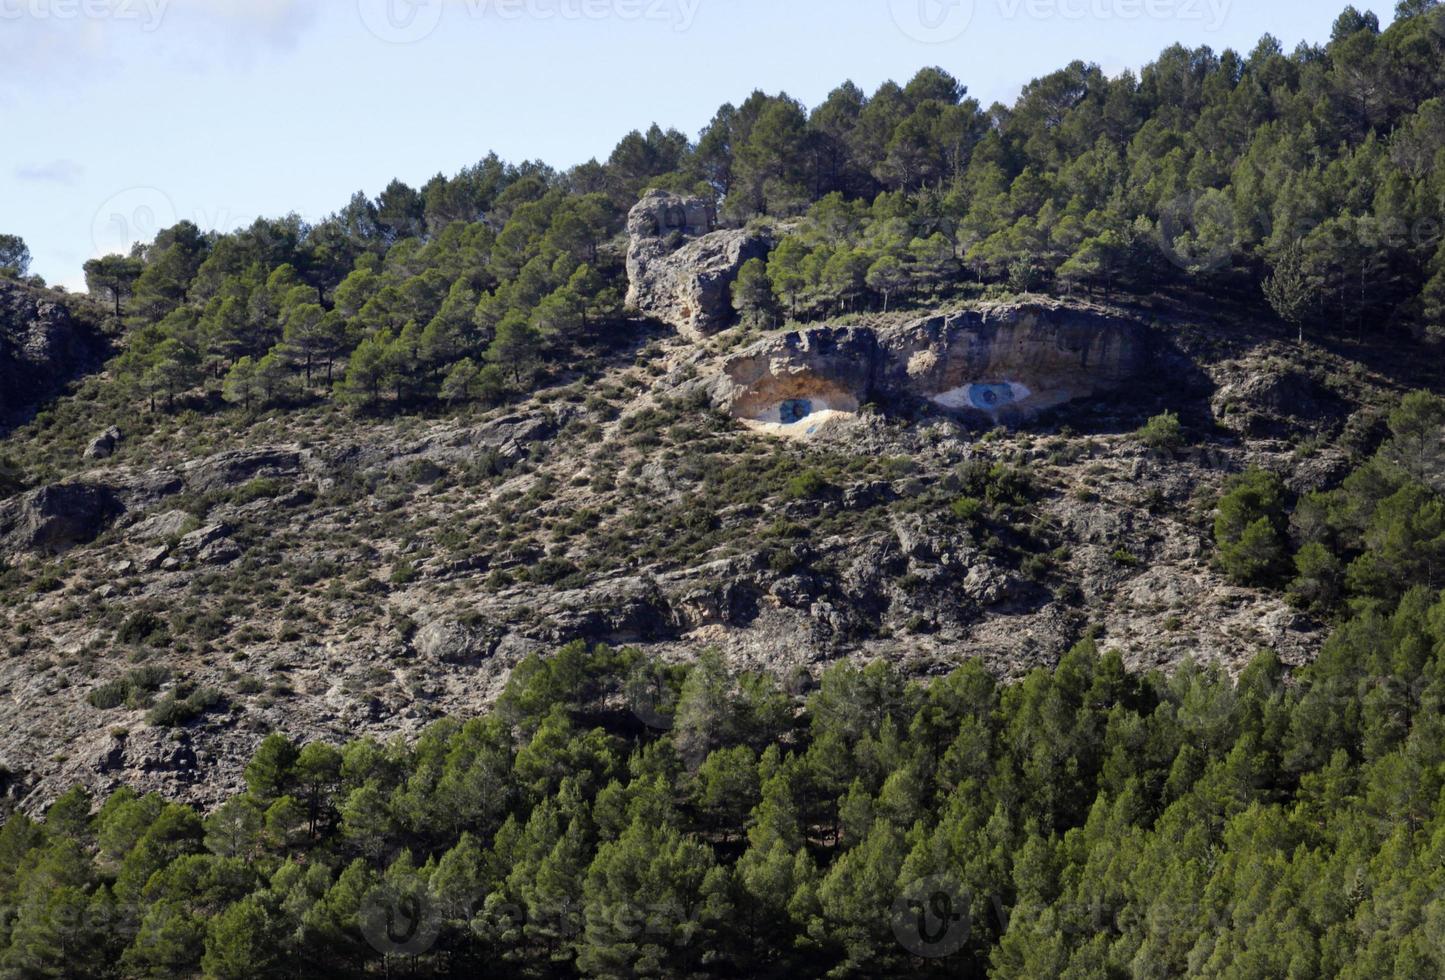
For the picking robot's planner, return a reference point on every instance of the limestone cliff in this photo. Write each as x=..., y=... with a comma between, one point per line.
x=679, y=269
x=997, y=363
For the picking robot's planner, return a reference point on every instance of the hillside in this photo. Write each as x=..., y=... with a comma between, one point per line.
x=316, y=572
x=1046, y=500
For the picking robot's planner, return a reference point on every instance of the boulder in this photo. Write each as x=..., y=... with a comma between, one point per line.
x=511, y=436
x=55, y=518
x=104, y=445
x=201, y=537
x=153, y=557
x=660, y=215
x=221, y=552
x=450, y=641
x=989, y=585
x=679, y=270
x=210, y=545
x=137, y=490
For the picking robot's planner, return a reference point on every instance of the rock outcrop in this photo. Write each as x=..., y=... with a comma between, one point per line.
x=104, y=445
x=1276, y=403
x=43, y=345
x=54, y=518
x=679, y=269
x=1000, y=364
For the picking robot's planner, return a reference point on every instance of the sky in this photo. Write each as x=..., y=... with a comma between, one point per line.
x=119, y=117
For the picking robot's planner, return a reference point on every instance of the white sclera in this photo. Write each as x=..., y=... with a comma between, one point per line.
x=984, y=396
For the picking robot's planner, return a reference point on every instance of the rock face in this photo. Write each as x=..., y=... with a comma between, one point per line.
x=1000, y=364
x=829, y=368
x=52, y=519
x=42, y=346
x=1276, y=403
x=679, y=269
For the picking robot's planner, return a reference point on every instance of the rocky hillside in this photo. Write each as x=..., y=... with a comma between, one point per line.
x=328, y=574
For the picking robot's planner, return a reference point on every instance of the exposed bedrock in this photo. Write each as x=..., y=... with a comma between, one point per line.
x=1002, y=363
x=830, y=368
x=680, y=270
x=43, y=345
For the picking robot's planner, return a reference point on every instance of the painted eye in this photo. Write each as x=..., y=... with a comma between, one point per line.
x=795, y=410
x=984, y=397
x=991, y=396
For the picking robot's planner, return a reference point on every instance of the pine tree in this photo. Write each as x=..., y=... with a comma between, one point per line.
x=113, y=274
x=1289, y=289
x=366, y=371
x=271, y=771
x=242, y=386
x=516, y=348
x=14, y=257
x=1249, y=529
x=462, y=382
x=242, y=942
x=728, y=787
x=886, y=276
x=646, y=898
x=752, y=294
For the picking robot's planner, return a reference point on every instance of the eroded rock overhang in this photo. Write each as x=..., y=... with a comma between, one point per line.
x=1000, y=364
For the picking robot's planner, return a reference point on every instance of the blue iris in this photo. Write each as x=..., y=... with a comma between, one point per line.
x=795, y=410
x=990, y=397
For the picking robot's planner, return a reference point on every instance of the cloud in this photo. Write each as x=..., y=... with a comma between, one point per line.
x=55, y=172
x=44, y=43
x=270, y=22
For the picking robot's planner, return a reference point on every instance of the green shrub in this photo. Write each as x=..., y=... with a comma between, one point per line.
x=149, y=677
x=807, y=485
x=142, y=627
x=111, y=694
x=50, y=580
x=967, y=509
x=553, y=571
x=261, y=488
x=997, y=484
x=783, y=561
x=173, y=711
x=1163, y=432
